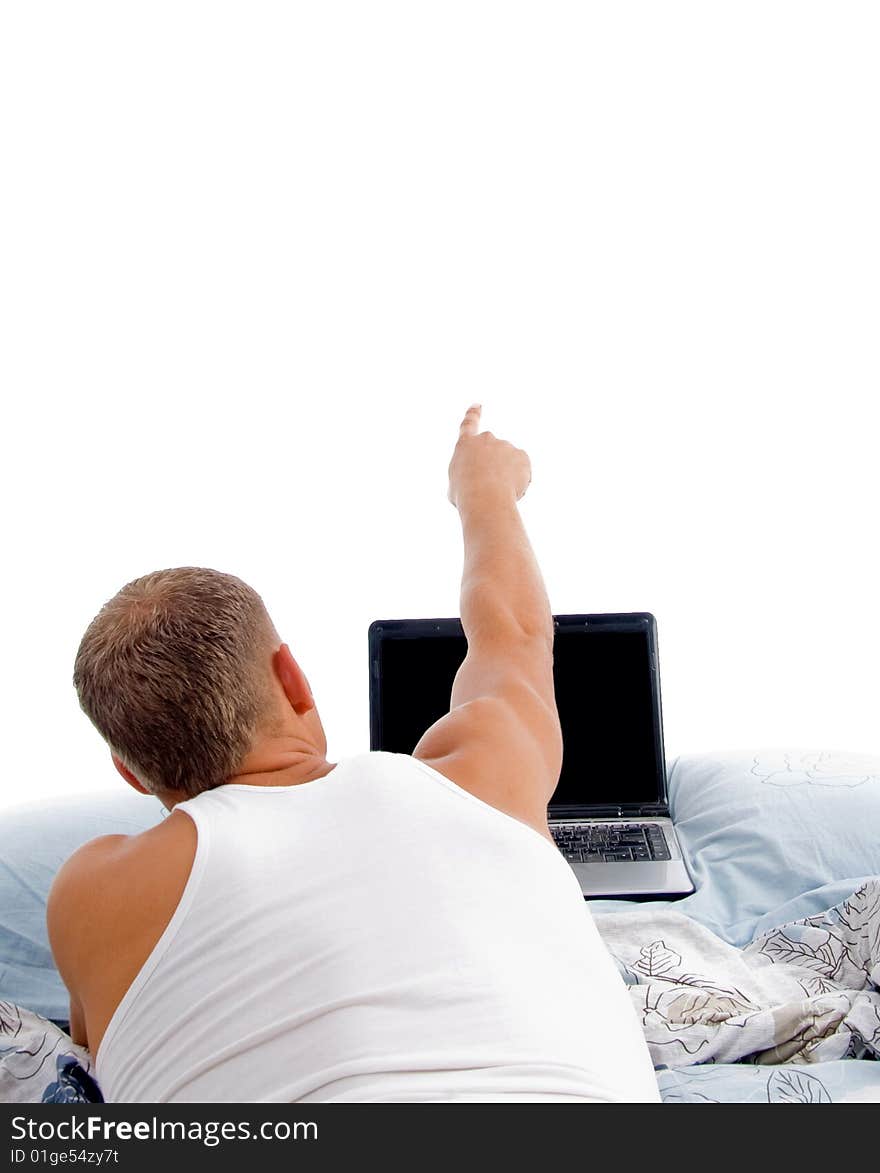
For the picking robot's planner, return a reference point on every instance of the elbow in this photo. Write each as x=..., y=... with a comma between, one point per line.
x=512, y=625
x=539, y=628
x=531, y=629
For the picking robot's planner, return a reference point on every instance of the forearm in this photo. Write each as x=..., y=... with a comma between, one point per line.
x=502, y=589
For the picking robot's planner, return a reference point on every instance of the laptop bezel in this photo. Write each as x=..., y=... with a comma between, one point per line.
x=643, y=621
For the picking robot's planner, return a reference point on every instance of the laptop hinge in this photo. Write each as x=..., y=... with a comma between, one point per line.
x=609, y=812
x=578, y=812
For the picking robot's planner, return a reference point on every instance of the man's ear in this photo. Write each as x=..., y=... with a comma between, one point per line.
x=128, y=776
x=293, y=681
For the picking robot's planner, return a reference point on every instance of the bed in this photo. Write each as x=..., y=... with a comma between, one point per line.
x=762, y=986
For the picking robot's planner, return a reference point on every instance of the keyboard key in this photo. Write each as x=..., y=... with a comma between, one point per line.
x=611, y=842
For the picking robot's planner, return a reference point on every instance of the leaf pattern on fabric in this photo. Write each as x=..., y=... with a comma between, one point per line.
x=796, y=1087
x=803, y=992
x=814, y=986
x=10, y=1020
x=656, y=960
x=683, y=1005
x=824, y=958
x=859, y=918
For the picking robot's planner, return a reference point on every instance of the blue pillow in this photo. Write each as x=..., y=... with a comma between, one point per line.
x=771, y=836
x=34, y=842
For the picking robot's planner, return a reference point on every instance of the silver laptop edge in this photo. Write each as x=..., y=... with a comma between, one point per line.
x=601, y=880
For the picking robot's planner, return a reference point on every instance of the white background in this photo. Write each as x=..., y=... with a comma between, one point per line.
x=258, y=259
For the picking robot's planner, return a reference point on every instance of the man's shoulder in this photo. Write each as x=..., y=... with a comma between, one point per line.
x=106, y=878
x=109, y=853
x=82, y=869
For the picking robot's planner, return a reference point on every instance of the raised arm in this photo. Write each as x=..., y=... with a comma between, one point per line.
x=501, y=738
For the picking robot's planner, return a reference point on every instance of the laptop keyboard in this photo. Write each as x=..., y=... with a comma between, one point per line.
x=610, y=842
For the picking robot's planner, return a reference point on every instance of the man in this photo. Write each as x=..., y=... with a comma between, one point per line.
x=386, y=928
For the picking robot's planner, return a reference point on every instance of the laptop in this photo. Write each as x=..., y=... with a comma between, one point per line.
x=609, y=814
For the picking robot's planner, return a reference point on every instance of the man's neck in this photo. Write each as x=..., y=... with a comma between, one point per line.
x=282, y=761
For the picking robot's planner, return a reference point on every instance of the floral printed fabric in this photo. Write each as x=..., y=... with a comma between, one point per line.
x=805, y=992
x=39, y=1063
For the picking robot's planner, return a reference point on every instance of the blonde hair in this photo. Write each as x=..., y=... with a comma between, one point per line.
x=175, y=674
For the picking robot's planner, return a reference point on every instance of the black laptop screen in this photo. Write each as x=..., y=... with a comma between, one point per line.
x=604, y=694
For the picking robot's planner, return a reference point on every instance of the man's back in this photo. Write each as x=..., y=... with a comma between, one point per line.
x=375, y=934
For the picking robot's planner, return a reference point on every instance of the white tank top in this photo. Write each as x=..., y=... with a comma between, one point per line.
x=378, y=934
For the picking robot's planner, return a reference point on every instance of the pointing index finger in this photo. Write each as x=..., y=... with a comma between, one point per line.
x=471, y=420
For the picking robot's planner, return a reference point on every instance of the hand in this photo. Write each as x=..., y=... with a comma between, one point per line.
x=483, y=464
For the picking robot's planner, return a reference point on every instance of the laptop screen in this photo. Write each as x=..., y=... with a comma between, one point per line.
x=612, y=743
